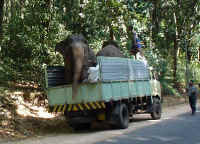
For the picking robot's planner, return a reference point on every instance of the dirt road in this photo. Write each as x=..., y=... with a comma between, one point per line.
x=174, y=125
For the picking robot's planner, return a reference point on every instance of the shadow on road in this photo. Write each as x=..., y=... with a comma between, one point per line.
x=182, y=129
x=103, y=126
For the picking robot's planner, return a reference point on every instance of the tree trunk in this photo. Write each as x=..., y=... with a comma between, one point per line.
x=155, y=20
x=12, y=19
x=199, y=54
x=111, y=33
x=175, y=51
x=1, y=18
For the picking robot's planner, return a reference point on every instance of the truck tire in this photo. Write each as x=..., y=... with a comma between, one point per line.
x=156, y=109
x=122, y=116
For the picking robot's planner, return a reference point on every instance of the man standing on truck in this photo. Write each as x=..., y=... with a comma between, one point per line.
x=192, y=93
x=135, y=45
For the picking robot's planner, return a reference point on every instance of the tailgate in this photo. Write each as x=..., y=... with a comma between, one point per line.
x=60, y=95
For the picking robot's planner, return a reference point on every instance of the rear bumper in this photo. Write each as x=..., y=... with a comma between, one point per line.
x=77, y=107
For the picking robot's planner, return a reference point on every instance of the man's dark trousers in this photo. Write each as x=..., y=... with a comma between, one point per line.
x=192, y=101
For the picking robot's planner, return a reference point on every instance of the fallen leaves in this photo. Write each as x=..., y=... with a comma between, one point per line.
x=20, y=118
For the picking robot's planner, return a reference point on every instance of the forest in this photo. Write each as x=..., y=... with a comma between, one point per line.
x=169, y=31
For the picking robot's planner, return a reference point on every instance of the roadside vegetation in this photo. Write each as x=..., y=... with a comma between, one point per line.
x=29, y=30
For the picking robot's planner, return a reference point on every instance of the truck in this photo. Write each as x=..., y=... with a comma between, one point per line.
x=125, y=87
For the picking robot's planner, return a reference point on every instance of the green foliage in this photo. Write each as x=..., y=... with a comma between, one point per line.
x=168, y=89
x=31, y=30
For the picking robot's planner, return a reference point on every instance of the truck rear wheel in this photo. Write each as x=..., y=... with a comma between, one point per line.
x=156, y=109
x=122, y=116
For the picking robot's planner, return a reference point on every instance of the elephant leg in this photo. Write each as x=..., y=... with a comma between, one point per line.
x=68, y=71
x=78, y=57
x=84, y=73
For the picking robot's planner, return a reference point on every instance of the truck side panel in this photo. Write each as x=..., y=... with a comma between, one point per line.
x=58, y=95
x=132, y=89
x=103, y=92
x=143, y=88
x=63, y=94
x=107, y=92
x=123, y=90
x=115, y=91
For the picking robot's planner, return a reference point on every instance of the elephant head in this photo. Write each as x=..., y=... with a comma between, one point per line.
x=110, y=49
x=77, y=54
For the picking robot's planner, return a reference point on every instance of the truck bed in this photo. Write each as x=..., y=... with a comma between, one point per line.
x=104, y=90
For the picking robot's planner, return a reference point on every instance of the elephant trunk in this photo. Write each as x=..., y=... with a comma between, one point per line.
x=78, y=58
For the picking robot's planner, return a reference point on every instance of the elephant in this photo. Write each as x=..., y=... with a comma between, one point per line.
x=78, y=57
x=110, y=49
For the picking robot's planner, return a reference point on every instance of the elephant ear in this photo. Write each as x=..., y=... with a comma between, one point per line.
x=60, y=47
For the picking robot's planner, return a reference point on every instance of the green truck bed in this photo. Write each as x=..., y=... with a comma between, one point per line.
x=135, y=81
x=102, y=91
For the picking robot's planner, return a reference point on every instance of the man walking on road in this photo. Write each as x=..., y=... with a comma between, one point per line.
x=192, y=93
